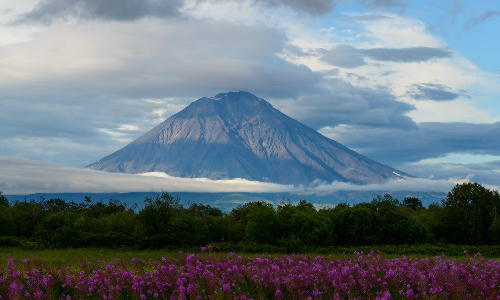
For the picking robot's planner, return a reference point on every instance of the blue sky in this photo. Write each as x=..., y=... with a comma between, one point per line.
x=465, y=25
x=413, y=84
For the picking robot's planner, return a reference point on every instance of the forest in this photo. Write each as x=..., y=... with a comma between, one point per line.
x=468, y=216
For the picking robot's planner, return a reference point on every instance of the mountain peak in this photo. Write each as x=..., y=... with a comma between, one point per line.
x=239, y=135
x=239, y=98
x=228, y=105
x=236, y=95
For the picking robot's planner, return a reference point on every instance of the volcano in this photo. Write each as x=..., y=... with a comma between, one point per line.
x=239, y=135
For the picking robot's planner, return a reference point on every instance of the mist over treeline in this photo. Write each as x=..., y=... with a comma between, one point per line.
x=470, y=215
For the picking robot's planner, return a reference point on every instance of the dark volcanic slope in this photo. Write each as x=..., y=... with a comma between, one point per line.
x=237, y=135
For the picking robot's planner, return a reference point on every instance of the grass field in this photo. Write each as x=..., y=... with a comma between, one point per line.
x=76, y=256
x=100, y=255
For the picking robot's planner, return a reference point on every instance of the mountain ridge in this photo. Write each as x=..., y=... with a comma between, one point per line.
x=238, y=135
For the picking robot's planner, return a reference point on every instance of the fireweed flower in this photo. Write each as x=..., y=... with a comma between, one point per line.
x=292, y=277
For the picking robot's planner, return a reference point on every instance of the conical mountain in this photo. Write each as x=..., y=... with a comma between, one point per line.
x=238, y=135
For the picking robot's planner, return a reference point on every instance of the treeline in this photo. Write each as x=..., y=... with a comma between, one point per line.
x=469, y=215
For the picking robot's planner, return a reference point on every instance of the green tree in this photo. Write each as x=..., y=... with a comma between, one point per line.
x=469, y=212
x=393, y=222
x=204, y=210
x=495, y=231
x=302, y=225
x=153, y=226
x=261, y=223
x=356, y=226
x=26, y=216
x=412, y=202
x=3, y=201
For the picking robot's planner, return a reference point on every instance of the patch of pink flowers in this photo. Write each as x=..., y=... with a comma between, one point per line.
x=234, y=277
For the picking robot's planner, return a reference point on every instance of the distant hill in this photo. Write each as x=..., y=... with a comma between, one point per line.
x=238, y=135
x=228, y=201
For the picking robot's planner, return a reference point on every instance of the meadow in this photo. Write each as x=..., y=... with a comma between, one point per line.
x=101, y=256
x=141, y=275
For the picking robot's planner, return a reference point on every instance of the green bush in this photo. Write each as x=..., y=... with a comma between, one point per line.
x=469, y=215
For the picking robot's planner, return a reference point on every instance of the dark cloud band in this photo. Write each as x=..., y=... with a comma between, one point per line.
x=346, y=56
x=428, y=140
x=343, y=103
x=412, y=54
x=316, y=7
x=47, y=11
x=434, y=92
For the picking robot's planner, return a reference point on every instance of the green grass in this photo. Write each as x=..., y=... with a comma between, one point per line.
x=72, y=257
x=76, y=256
x=490, y=251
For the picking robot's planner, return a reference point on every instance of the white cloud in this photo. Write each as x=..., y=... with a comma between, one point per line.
x=128, y=127
x=21, y=176
x=10, y=10
x=403, y=185
x=400, y=32
x=16, y=34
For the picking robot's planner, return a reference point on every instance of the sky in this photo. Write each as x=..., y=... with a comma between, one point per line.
x=412, y=84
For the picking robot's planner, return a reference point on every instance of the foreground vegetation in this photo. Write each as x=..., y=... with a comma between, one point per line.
x=234, y=277
x=101, y=256
x=469, y=215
